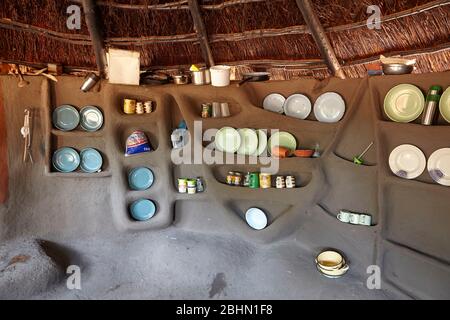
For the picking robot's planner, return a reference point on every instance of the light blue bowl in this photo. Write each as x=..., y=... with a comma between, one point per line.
x=91, y=160
x=66, y=160
x=142, y=209
x=140, y=178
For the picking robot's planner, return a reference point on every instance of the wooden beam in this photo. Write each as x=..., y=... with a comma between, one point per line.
x=98, y=43
x=319, y=35
x=201, y=32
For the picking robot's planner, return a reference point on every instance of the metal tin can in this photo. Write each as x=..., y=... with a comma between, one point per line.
x=230, y=178
x=139, y=108
x=254, y=180
x=281, y=182
x=237, y=178
x=206, y=110
x=192, y=183
x=290, y=182
x=182, y=185
x=148, y=106
x=192, y=190
x=265, y=180
x=247, y=180
x=432, y=104
x=129, y=106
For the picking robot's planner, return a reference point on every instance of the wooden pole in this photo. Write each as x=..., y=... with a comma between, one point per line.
x=201, y=32
x=98, y=43
x=320, y=37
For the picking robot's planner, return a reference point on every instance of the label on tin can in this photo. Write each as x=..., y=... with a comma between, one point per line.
x=129, y=106
x=265, y=180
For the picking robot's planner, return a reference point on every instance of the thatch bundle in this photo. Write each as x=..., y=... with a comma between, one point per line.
x=245, y=33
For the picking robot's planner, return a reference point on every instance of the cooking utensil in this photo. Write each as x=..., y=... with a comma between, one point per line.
x=359, y=159
x=180, y=79
x=89, y=82
x=26, y=133
x=254, y=77
x=404, y=103
x=397, y=68
x=329, y=107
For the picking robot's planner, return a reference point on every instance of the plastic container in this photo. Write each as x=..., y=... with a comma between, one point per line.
x=220, y=76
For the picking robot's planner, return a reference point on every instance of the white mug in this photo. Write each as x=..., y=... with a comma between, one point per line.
x=354, y=218
x=365, y=220
x=344, y=216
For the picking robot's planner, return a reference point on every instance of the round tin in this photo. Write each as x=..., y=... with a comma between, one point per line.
x=237, y=178
x=290, y=182
x=129, y=106
x=206, y=110
x=281, y=182
x=265, y=180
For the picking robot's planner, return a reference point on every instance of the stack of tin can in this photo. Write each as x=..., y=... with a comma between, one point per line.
x=131, y=106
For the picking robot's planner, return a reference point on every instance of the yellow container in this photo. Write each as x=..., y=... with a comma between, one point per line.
x=265, y=181
x=129, y=106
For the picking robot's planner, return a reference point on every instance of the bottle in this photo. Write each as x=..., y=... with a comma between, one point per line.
x=429, y=113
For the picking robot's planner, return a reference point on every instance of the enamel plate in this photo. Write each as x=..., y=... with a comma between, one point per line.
x=329, y=108
x=444, y=105
x=282, y=139
x=297, y=106
x=249, y=142
x=91, y=160
x=140, y=178
x=404, y=103
x=407, y=161
x=256, y=218
x=439, y=166
x=91, y=118
x=66, y=160
x=143, y=209
x=66, y=118
x=274, y=102
x=262, y=142
x=227, y=140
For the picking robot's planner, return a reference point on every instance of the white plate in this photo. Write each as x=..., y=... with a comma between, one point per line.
x=274, y=102
x=227, y=140
x=329, y=108
x=249, y=142
x=439, y=166
x=297, y=106
x=262, y=142
x=407, y=161
x=256, y=218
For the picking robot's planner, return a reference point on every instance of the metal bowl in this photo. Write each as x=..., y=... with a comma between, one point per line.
x=397, y=68
x=180, y=79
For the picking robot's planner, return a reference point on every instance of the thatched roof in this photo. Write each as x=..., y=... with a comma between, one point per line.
x=246, y=33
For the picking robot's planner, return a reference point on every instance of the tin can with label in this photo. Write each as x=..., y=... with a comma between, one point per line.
x=206, y=110
x=254, y=180
x=192, y=183
x=290, y=182
x=139, y=108
x=247, y=180
x=280, y=182
x=265, y=181
x=182, y=185
x=148, y=106
x=192, y=190
x=237, y=178
x=129, y=106
x=230, y=178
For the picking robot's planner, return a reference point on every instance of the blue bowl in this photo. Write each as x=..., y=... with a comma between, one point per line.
x=140, y=179
x=142, y=209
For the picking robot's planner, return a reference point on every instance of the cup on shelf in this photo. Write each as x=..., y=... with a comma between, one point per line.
x=216, y=110
x=225, y=109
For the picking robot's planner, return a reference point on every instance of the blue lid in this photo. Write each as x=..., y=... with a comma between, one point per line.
x=91, y=160
x=66, y=117
x=140, y=178
x=66, y=160
x=143, y=209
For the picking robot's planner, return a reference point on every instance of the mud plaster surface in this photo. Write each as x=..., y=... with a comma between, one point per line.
x=200, y=246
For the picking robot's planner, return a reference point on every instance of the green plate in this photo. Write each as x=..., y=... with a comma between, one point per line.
x=282, y=139
x=444, y=105
x=227, y=140
x=404, y=103
x=249, y=142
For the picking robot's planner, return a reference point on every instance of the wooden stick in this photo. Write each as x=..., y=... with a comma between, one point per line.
x=320, y=37
x=201, y=32
x=90, y=13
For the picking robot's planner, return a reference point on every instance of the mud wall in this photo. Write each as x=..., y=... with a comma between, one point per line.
x=411, y=218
